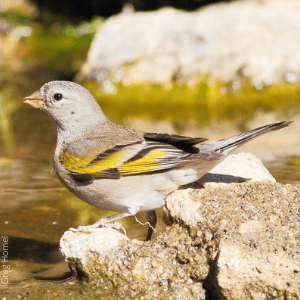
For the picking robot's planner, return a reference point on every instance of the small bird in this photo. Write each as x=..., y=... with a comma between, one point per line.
x=122, y=169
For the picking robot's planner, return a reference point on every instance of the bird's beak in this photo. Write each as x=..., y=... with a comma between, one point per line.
x=35, y=100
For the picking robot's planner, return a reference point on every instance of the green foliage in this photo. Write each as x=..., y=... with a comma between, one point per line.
x=15, y=17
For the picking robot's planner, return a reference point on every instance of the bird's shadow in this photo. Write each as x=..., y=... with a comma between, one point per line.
x=221, y=178
x=216, y=178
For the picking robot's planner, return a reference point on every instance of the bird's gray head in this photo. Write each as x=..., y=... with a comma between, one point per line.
x=70, y=105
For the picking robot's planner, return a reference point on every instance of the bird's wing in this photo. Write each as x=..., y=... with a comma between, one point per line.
x=157, y=153
x=180, y=141
x=152, y=158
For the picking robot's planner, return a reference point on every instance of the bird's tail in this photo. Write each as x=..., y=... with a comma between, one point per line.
x=227, y=145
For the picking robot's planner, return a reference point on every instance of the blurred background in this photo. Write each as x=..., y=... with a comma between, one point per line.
x=201, y=68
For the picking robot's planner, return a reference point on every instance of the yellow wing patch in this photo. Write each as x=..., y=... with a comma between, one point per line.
x=148, y=163
x=144, y=164
x=83, y=165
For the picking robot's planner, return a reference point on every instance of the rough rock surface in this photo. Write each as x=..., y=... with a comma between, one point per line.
x=159, y=269
x=237, y=168
x=255, y=231
x=241, y=39
x=226, y=241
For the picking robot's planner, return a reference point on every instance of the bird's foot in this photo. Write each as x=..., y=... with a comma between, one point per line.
x=100, y=223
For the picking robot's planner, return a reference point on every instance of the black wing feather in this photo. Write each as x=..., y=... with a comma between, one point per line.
x=182, y=142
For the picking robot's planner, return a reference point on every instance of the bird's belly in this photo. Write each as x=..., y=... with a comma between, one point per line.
x=129, y=193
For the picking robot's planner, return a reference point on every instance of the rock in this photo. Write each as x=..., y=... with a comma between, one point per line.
x=101, y=241
x=254, y=229
x=226, y=42
x=228, y=171
x=158, y=269
x=226, y=241
x=237, y=168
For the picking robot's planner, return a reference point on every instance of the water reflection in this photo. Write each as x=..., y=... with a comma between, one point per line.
x=285, y=170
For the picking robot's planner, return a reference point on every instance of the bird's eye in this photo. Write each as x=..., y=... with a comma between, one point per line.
x=58, y=96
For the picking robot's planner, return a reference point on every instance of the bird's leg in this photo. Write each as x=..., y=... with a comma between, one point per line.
x=152, y=219
x=113, y=218
x=105, y=222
